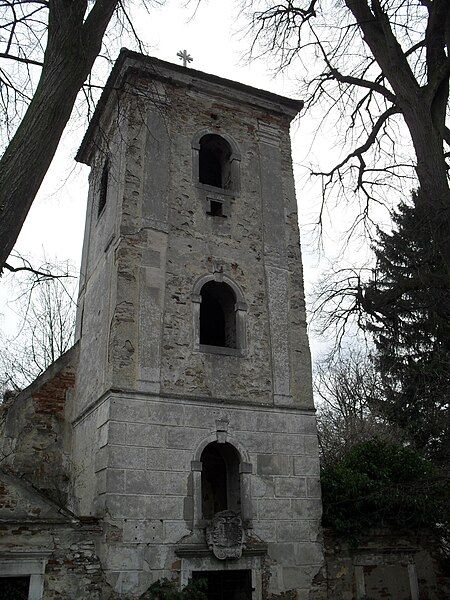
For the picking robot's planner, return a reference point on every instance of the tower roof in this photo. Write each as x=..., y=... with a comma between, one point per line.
x=129, y=61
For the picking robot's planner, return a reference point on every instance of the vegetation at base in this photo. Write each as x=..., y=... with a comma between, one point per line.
x=168, y=590
x=380, y=484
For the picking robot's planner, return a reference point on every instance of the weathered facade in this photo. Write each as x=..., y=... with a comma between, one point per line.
x=46, y=551
x=177, y=438
x=385, y=564
x=186, y=435
x=200, y=211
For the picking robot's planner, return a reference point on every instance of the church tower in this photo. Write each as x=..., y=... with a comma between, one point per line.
x=194, y=429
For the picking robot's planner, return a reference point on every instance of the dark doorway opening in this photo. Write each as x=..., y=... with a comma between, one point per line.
x=14, y=588
x=227, y=585
x=220, y=479
x=218, y=315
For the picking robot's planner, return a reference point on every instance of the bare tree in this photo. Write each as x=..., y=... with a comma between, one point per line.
x=348, y=392
x=45, y=326
x=376, y=59
x=382, y=64
x=62, y=39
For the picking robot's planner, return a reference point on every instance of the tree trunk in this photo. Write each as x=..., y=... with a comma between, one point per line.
x=424, y=115
x=72, y=47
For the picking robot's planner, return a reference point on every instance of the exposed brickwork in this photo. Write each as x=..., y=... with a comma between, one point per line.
x=6, y=500
x=51, y=397
x=289, y=595
x=73, y=570
x=34, y=433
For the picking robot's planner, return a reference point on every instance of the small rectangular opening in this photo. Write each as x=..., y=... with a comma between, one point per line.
x=103, y=188
x=226, y=584
x=215, y=208
x=14, y=588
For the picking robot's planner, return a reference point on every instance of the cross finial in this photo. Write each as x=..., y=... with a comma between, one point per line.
x=185, y=57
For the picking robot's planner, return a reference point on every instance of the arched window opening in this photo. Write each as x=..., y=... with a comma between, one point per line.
x=221, y=489
x=218, y=315
x=215, y=162
x=103, y=188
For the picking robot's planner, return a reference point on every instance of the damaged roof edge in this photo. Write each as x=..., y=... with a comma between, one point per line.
x=69, y=358
x=285, y=105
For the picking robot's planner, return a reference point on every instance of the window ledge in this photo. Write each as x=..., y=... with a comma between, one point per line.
x=206, y=349
x=216, y=216
x=211, y=189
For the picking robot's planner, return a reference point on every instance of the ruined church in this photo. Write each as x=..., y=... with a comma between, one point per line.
x=177, y=438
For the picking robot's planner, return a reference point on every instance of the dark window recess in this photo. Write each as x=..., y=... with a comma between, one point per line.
x=221, y=488
x=14, y=588
x=218, y=315
x=226, y=584
x=103, y=187
x=214, y=161
x=215, y=208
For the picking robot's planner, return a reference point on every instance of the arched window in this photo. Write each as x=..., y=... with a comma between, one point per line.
x=218, y=315
x=215, y=162
x=221, y=489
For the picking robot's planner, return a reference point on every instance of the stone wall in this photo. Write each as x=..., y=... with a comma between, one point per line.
x=35, y=430
x=384, y=564
x=39, y=537
x=148, y=486
x=138, y=315
x=98, y=273
x=59, y=556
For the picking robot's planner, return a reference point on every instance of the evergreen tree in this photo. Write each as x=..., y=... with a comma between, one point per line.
x=408, y=300
x=380, y=484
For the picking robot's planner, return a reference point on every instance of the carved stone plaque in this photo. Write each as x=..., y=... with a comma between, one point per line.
x=225, y=535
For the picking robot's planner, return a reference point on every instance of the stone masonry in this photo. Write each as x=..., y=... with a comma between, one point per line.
x=148, y=399
x=148, y=451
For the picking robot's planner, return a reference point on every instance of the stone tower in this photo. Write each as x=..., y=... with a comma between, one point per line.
x=194, y=429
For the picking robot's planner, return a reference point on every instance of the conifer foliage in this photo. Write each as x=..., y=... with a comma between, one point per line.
x=408, y=300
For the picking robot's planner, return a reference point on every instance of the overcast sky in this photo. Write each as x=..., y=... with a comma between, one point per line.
x=214, y=37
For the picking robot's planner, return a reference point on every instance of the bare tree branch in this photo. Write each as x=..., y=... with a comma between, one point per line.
x=63, y=39
x=27, y=61
x=358, y=152
x=46, y=314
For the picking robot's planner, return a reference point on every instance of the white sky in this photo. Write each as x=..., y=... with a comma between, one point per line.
x=55, y=223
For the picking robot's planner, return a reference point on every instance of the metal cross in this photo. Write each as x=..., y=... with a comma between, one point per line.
x=185, y=57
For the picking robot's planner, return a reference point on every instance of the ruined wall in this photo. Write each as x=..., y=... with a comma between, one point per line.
x=59, y=555
x=39, y=537
x=384, y=564
x=35, y=431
